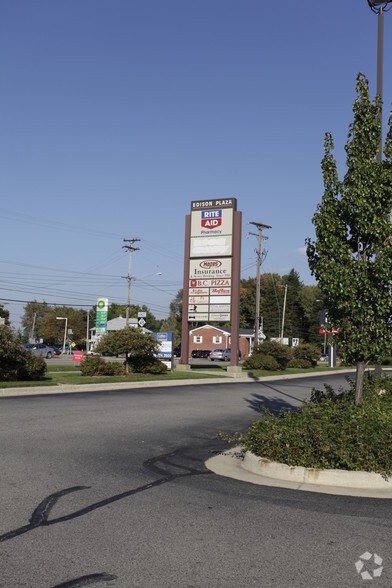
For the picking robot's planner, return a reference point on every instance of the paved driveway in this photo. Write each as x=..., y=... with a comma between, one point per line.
x=110, y=489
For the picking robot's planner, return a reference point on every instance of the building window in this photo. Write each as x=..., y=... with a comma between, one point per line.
x=217, y=339
x=229, y=340
x=197, y=339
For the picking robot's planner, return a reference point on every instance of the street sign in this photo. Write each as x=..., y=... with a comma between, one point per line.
x=141, y=315
x=141, y=322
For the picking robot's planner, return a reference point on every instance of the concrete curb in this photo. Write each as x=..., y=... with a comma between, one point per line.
x=301, y=475
x=246, y=467
x=82, y=388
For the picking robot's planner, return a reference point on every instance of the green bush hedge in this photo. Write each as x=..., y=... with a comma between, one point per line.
x=329, y=431
x=16, y=364
x=94, y=365
x=261, y=362
x=300, y=363
x=271, y=349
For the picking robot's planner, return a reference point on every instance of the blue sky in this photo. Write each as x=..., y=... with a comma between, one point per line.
x=116, y=114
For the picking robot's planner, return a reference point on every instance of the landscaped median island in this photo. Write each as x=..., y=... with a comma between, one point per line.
x=328, y=432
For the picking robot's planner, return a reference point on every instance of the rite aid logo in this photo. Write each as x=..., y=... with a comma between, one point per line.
x=211, y=219
x=210, y=263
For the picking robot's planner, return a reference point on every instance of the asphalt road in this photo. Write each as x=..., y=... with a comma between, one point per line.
x=110, y=489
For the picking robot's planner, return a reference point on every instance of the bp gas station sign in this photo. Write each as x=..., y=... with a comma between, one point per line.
x=101, y=321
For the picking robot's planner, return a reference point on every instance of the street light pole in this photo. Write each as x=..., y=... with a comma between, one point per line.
x=379, y=7
x=63, y=318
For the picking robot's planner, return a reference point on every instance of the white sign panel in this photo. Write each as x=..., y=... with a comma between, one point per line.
x=219, y=316
x=211, y=246
x=219, y=299
x=212, y=222
x=210, y=268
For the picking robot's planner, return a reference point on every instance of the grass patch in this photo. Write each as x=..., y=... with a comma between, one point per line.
x=74, y=377
x=329, y=431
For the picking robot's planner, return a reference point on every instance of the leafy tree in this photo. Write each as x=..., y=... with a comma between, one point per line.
x=139, y=348
x=352, y=255
x=5, y=314
x=311, y=302
x=34, y=314
x=116, y=310
x=173, y=323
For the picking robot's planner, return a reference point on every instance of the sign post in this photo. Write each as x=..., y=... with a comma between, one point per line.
x=212, y=264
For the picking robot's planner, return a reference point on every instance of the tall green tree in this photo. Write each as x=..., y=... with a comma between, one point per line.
x=173, y=324
x=352, y=255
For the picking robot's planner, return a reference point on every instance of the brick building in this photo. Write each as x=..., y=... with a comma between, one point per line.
x=209, y=337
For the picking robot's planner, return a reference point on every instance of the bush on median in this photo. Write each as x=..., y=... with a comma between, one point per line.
x=329, y=431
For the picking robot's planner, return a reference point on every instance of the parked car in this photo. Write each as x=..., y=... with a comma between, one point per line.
x=227, y=355
x=200, y=353
x=324, y=357
x=222, y=354
x=56, y=350
x=40, y=349
x=217, y=354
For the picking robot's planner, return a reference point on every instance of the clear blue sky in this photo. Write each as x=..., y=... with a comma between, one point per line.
x=116, y=114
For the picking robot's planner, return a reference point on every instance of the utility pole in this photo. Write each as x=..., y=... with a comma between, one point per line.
x=284, y=310
x=32, y=340
x=260, y=226
x=131, y=249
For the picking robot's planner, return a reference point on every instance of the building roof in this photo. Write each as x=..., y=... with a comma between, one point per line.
x=119, y=323
x=242, y=332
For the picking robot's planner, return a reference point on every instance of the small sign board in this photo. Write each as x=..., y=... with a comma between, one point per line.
x=141, y=315
x=141, y=322
x=77, y=356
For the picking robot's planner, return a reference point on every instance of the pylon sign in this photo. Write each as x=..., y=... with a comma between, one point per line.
x=210, y=260
x=101, y=321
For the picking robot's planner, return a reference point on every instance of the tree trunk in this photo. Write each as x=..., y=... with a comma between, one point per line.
x=361, y=366
x=126, y=364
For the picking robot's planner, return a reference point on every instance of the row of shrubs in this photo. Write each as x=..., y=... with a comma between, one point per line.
x=273, y=356
x=329, y=431
x=96, y=366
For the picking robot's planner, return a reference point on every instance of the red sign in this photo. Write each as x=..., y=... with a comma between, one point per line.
x=77, y=356
x=322, y=331
x=210, y=219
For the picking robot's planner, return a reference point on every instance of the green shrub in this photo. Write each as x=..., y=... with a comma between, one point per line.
x=329, y=431
x=300, y=363
x=96, y=366
x=32, y=367
x=15, y=362
x=387, y=361
x=261, y=362
x=281, y=355
x=308, y=351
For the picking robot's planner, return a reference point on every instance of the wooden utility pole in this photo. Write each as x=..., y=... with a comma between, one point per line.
x=260, y=226
x=131, y=248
